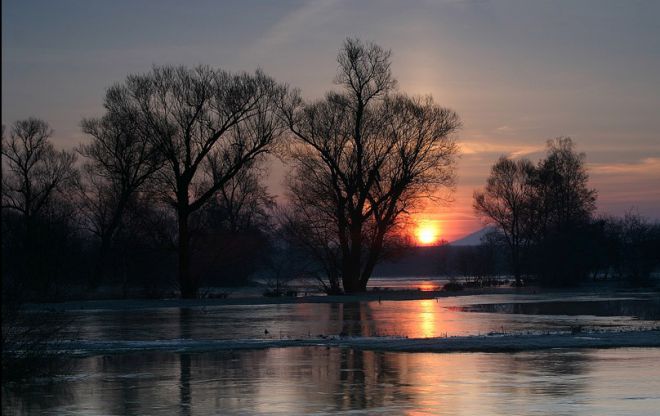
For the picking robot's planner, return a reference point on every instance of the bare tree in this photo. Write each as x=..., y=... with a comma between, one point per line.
x=243, y=203
x=120, y=159
x=35, y=170
x=362, y=158
x=563, y=198
x=34, y=174
x=207, y=125
x=562, y=205
x=505, y=202
x=545, y=208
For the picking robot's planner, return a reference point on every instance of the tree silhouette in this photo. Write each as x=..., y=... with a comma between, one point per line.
x=363, y=157
x=34, y=175
x=562, y=207
x=36, y=171
x=505, y=203
x=119, y=161
x=562, y=196
x=207, y=125
x=543, y=211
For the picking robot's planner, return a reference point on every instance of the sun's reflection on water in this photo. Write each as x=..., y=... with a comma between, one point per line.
x=425, y=318
x=427, y=315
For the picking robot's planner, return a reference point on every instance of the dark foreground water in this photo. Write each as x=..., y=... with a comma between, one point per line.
x=292, y=381
x=320, y=380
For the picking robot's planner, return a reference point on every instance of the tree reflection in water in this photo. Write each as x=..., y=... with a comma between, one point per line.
x=319, y=379
x=185, y=325
x=184, y=384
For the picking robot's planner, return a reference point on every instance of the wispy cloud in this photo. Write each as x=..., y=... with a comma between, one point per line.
x=300, y=21
x=645, y=166
x=508, y=149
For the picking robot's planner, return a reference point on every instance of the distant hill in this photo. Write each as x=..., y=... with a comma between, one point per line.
x=473, y=239
x=424, y=260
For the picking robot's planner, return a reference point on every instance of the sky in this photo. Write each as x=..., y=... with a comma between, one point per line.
x=518, y=72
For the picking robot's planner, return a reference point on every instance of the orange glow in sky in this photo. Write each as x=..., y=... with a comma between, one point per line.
x=427, y=232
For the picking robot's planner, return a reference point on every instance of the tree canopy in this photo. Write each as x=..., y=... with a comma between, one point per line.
x=363, y=156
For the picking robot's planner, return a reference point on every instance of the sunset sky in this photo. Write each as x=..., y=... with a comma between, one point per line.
x=517, y=72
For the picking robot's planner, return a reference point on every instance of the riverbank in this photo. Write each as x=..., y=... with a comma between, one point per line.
x=371, y=296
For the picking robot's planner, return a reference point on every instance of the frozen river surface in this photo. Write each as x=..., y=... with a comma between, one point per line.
x=331, y=380
x=448, y=316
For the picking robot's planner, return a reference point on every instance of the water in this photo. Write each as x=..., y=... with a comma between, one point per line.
x=464, y=315
x=321, y=381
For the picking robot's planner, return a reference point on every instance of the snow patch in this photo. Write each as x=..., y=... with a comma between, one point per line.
x=487, y=343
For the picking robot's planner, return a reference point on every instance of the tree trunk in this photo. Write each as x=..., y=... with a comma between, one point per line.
x=351, y=281
x=187, y=285
x=350, y=276
x=351, y=270
x=372, y=258
x=366, y=274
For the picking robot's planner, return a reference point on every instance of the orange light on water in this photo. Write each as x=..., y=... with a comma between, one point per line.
x=427, y=287
x=427, y=232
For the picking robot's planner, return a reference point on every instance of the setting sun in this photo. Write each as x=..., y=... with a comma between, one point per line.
x=427, y=232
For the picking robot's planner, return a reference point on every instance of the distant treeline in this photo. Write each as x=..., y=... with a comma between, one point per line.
x=543, y=218
x=624, y=249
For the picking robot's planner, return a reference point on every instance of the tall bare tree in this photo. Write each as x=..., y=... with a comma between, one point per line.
x=363, y=156
x=34, y=173
x=505, y=202
x=563, y=205
x=119, y=160
x=207, y=125
x=35, y=170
